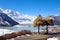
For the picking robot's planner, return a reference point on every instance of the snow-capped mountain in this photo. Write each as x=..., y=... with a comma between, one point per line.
x=18, y=17
x=5, y=20
x=24, y=18
x=56, y=19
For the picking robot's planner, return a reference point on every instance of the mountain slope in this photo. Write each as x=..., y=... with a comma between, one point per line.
x=5, y=18
x=8, y=19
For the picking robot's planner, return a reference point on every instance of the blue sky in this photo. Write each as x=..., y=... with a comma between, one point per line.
x=33, y=7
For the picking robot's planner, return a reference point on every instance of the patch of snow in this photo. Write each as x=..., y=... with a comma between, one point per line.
x=5, y=31
x=39, y=30
x=22, y=36
x=11, y=39
x=54, y=38
x=28, y=35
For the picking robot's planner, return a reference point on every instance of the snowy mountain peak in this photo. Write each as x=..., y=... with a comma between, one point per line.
x=18, y=17
x=1, y=10
x=7, y=11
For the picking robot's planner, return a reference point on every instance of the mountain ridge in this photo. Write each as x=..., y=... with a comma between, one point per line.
x=18, y=17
